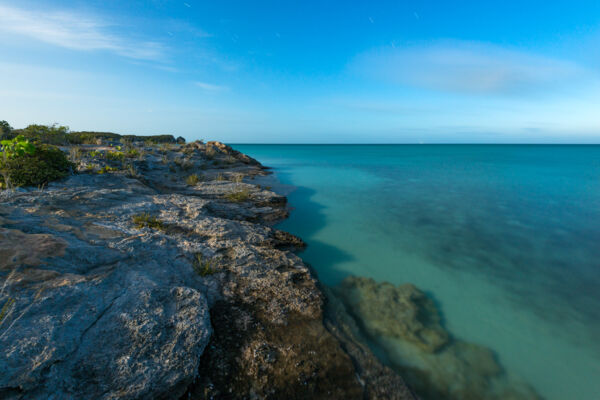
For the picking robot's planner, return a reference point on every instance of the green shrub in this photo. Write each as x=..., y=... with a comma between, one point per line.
x=44, y=164
x=115, y=156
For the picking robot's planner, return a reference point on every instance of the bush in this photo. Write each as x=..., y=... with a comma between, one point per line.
x=46, y=164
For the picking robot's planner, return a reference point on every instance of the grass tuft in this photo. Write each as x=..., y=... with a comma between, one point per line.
x=6, y=307
x=203, y=267
x=192, y=180
x=146, y=220
x=238, y=197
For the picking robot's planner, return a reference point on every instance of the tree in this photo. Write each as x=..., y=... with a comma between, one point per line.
x=52, y=134
x=5, y=130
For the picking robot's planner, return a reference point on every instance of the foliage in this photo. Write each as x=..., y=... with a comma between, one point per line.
x=17, y=147
x=203, y=267
x=115, y=156
x=61, y=135
x=49, y=134
x=45, y=164
x=6, y=131
x=146, y=220
x=107, y=168
x=238, y=197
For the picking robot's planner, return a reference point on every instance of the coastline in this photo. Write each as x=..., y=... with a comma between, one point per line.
x=202, y=299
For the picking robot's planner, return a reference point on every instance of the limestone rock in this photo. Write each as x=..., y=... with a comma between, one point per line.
x=202, y=299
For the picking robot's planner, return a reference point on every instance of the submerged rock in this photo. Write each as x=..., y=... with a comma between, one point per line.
x=402, y=312
x=403, y=326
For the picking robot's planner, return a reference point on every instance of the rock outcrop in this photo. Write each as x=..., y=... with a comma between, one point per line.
x=154, y=273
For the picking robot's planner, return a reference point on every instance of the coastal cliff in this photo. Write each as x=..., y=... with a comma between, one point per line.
x=156, y=273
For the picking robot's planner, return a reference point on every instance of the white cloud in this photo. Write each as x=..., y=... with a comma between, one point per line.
x=211, y=87
x=469, y=67
x=74, y=31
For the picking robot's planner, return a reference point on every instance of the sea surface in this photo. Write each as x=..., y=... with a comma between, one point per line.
x=504, y=238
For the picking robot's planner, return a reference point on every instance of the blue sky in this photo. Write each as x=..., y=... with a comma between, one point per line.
x=306, y=71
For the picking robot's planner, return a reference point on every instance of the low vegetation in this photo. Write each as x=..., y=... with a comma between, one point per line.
x=145, y=220
x=192, y=180
x=238, y=197
x=106, y=169
x=203, y=267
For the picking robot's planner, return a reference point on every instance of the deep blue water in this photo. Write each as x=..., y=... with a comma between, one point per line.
x=505, y=238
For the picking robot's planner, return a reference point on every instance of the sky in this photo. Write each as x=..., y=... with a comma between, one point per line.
x=306, y=71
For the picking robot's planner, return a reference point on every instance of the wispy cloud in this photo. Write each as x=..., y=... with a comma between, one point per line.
x=211, y=87
x=75, y=31
x=468, y=67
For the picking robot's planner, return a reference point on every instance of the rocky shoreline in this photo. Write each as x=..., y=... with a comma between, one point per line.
x=157, y=274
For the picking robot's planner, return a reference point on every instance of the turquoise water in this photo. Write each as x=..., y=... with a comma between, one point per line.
x=505, y=239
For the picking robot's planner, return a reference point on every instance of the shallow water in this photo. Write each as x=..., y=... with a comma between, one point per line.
x=505, y=239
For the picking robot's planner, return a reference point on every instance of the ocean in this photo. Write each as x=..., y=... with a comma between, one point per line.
x=505, y=239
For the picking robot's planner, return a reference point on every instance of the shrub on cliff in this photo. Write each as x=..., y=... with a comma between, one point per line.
x=23, y=164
